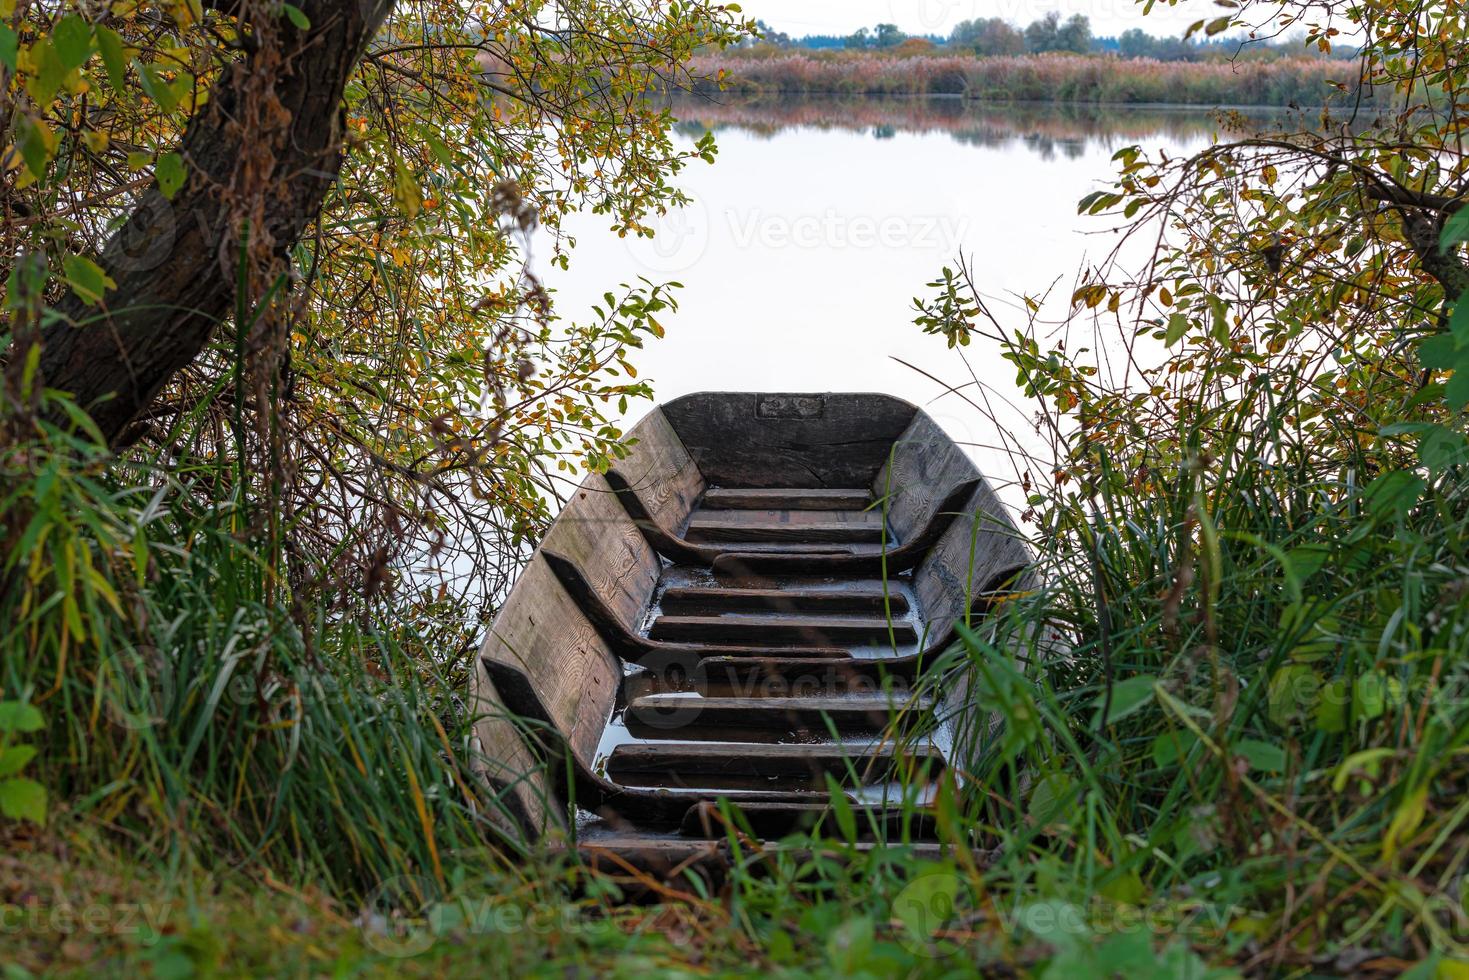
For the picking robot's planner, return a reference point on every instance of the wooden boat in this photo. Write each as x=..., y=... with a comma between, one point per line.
x=734, y=616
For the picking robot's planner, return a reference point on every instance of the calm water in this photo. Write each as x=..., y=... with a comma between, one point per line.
x=821, y=220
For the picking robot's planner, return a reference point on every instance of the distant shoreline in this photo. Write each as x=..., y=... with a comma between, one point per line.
x=1060, y=79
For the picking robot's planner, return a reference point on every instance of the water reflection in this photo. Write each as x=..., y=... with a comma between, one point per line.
x=821, y=220
x=1048, y=130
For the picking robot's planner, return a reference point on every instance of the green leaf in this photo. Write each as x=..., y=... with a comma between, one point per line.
x=1373, y=693
x=158, y=87
x=17, y=716
x=1125, y=954
x=171, y=174
x=1441, y=352
x=1127, y=697
x=1459, y=324
x=1392, y=495
x=1331, y=710
x=1456, y=390
x=297, y=16
x=1178, y=325
x=86, y=279
x=37, y=145
x=1263, y=756
x=9, y=47
x=1170, y=747
x=14, y=758
x=1455, y=230
x=114, y=57
x=1307, y=559
x=408, y=196
x=1219, y=309
x=73, y=40
x=439, y=149
x=841, y=809
x=49, y=75
x=1442, y=447
x=1048, y=796
x=23, y=799
x=1061, y=924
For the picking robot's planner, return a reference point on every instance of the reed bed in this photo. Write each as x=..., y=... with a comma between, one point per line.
x=1031, y=78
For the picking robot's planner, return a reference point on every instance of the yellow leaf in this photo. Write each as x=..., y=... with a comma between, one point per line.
x=1405, y=823
x=407, y=195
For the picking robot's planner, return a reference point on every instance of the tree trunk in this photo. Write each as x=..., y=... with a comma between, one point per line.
x=262, y=154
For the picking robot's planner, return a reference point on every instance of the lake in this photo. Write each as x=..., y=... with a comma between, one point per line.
x=822, y=220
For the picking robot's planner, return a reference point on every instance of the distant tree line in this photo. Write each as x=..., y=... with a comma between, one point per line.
x=996, y=37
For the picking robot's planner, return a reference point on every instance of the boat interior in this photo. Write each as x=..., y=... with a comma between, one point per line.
x=733, y=618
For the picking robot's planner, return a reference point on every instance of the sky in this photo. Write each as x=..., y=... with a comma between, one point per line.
x=939, y=16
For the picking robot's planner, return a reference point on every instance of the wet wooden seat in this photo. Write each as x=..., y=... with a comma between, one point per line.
x=773, y=718
x=610, y=570
x=912, y=502
x=725, y=765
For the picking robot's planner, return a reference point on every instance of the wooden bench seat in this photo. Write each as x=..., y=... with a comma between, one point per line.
x=724, y=765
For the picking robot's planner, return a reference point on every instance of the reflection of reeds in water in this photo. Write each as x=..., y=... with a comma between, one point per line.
x=1049, y=130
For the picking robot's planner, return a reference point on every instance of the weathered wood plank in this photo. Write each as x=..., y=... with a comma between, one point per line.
x=596, y=535
x=799, y=526
x=781, y=676
x=540, y=632
x=867, y=520
x=699, y=763
x=724, y=498
x=974, y=556
x=768, y=719
x=684, y=600
x=506, y=763
x=662, y=473
x=745, y=440
x=924, y=465
x=778, y=630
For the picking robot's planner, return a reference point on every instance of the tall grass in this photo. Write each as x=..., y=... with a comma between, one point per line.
x=196, y=710
x=1231, y=721
x=1030, y=78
